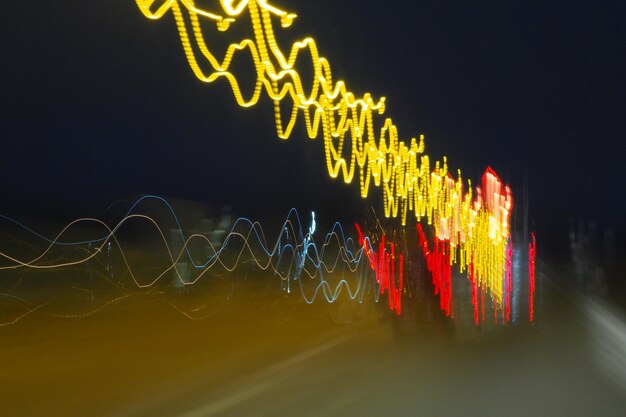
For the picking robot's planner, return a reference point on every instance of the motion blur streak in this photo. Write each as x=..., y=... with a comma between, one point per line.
x=438, y=262
x=372, y=266
x=532, y=253
x=607, y=329
x=383, y=264
x=319, y=270
x=474, y=222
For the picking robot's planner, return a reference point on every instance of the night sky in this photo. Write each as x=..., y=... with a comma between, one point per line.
x=99, y=104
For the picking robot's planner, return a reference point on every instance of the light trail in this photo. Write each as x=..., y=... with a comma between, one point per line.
x=358, y=140
x=316, y=269
x=326, y=269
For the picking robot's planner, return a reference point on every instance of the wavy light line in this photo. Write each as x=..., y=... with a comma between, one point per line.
x=328, y=269
x=475, y=222
x=325, y=270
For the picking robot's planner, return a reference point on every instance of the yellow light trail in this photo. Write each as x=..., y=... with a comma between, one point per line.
x=475, y=222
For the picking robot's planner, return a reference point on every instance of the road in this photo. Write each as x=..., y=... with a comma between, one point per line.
x=259, y=354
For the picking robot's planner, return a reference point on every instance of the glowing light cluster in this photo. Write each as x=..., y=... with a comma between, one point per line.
x=476, y=226
x=438, y=263
x=388, y=269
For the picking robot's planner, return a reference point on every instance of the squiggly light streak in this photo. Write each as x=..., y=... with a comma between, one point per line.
x=293, y=257
x=508, y=282
x=438, y=263
x=383, y=264
x=476, y=226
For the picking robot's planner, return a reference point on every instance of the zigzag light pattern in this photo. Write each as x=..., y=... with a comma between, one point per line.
x=474, y=222
x=326, y=269
x=312, y=265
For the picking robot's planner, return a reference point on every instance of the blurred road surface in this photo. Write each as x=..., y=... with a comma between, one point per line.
x=273, y=355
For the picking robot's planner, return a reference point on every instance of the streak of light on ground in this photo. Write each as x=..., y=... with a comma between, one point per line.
x=269, y=354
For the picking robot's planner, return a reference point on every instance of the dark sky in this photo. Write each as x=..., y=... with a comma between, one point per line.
x=99, y=103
